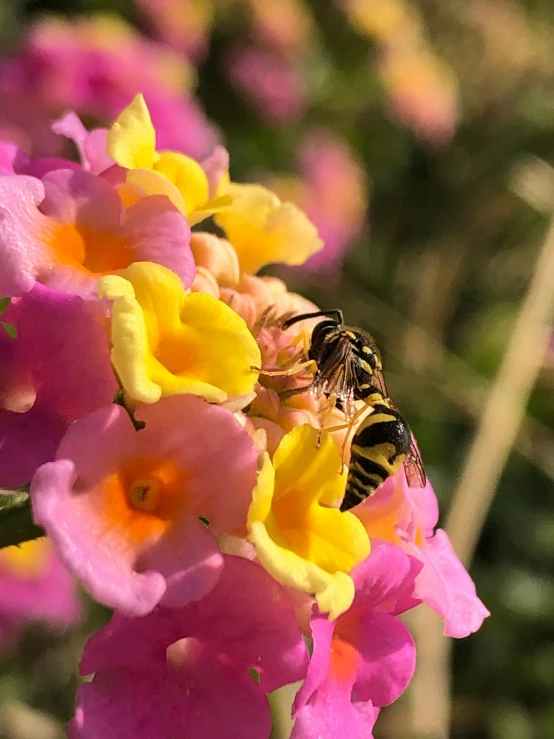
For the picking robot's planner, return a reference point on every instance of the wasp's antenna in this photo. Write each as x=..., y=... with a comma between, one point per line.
x=336, y=314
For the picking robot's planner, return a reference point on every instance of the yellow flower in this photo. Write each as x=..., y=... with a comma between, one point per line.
x=264, y=230
x=300, y=538
x=132, y=144
x=167, y=342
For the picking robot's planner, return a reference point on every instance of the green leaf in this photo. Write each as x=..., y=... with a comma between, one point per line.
x=4, y=304
x=10, y=329
x=16, y=520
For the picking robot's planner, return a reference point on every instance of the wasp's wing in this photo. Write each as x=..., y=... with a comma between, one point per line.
x=378, y=380
x=413, y=467
x=336, y=377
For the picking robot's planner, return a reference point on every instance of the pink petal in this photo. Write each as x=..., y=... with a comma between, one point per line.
x=190, y=560
x=98, y=443
x=205, y=699
x=91, y=146
x=74, y=196
x=320, y=662
x=210, y=433
x=446, y=585
x=27, y=440
x=249, y=617
x=387, y=662
x=62, y=354
x=21, y=226
x=216, y=166
x=43, y=165
x=98, y=555
x=385, y=581
x=134, y=644
x=95, y=149
x=12, y=158
x=331, y=715
x=159, y=233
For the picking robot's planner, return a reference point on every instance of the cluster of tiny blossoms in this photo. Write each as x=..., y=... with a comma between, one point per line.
x=184, y=487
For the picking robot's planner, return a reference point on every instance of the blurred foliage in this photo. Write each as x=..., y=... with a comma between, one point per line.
x=451, y=251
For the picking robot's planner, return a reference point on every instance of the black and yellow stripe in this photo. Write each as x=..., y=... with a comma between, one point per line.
x=379, y=448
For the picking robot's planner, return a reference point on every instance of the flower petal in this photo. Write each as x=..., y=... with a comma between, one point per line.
x=132, y=138
x=263, y=230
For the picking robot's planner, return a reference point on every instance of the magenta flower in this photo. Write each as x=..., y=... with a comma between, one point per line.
x=70, y=228
x=366, y=658
x=134, y=514
x=185, y=672
x=56, y=370
x=407, y=517
x=35, y=586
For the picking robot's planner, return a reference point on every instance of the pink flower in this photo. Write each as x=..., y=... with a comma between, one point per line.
x=271, y=81
x=56, y=370
x=407, y=517
x=35, y=586
x=332, y=189
x=134, y=514
x=184, y=672
x=366, y=658
x=70, y=228
x=95, y=66
x=91, y=145
x=181, y=24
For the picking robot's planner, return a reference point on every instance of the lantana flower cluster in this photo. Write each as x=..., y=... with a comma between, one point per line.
x=145, y=399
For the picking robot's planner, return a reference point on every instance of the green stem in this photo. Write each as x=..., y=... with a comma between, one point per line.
x=16, y=520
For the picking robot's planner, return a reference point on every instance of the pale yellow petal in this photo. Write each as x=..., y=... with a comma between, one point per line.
x=129, y=339
x=308, y=460
x=152, y=183
x=263, y=230
x=132, y=138
x=189, y=343
x=262, y=494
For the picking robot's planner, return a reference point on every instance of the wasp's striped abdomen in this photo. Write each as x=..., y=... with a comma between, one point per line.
x=379, y=448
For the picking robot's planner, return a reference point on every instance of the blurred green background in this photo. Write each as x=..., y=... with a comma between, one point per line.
x=447, y=105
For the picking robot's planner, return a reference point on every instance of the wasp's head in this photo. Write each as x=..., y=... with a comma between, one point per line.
x=326, y=338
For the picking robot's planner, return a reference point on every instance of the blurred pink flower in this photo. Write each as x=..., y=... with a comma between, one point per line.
x=422, y=93
x=125, y=508
x=407, y=517
x=185, y=672
x=96, y=66
x=56, y=370
x=332, y=189
x=284, y=24
x=69, y=229
x=182, y=24
x=273, y=83
x=35, y=586
x=366, y=658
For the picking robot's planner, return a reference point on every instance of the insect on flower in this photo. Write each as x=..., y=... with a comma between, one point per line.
x=349, y=369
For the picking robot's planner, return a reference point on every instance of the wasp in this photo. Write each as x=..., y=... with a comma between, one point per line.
x=349, y=369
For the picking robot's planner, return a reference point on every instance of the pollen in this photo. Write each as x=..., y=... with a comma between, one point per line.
x=145, y=494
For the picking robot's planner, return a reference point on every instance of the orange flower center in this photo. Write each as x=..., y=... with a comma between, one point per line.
x=95, y=251
x=344, y=660
x=144, y=497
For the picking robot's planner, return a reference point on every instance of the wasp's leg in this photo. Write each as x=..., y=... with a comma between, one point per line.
x=350, y=427
x=285, y=372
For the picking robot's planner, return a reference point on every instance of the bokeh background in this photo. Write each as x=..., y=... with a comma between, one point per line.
x=418, y=136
